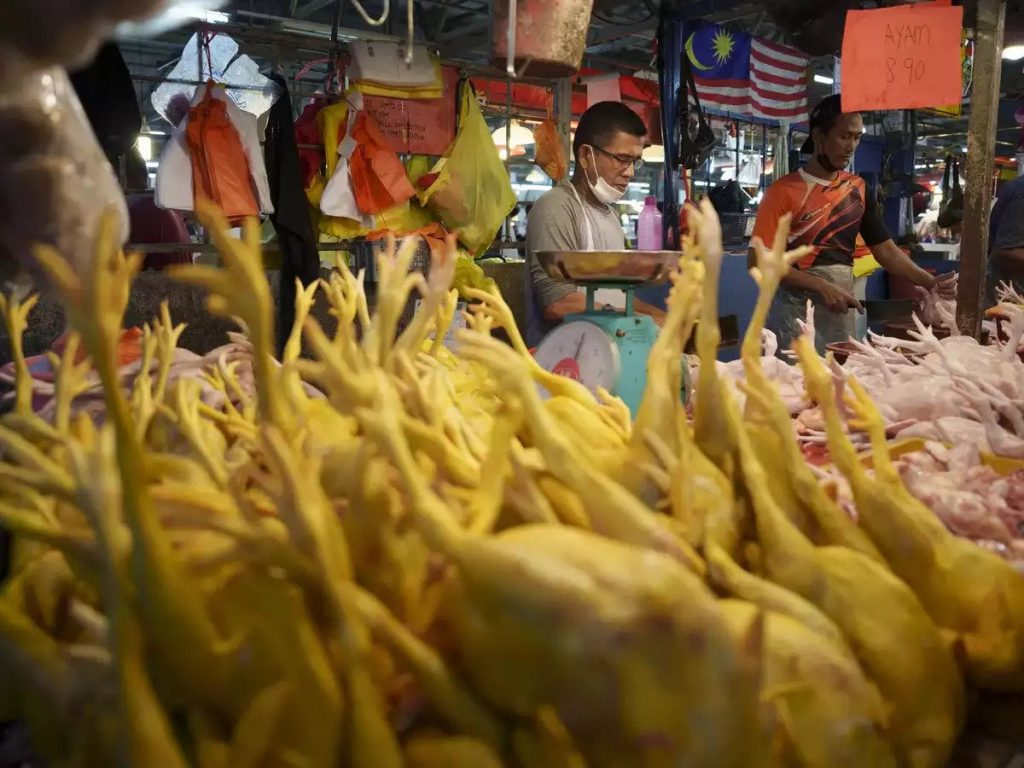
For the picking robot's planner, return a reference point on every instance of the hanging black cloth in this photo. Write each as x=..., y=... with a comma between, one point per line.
x=299, y=256
x=672, y=90
x=108, y=97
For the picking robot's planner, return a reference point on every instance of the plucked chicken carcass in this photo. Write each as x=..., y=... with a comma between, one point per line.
x=937, y=310
x=952, y=390
x=973, y=500
x=222, y=375
x=788, y=377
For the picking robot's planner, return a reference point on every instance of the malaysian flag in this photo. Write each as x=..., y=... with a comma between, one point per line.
x=778, y=81
x=747, y=75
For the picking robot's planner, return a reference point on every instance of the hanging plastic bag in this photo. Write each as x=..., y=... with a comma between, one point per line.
x=220, y=166
x=338, y=197
x=550, y=153
x=951, y=212
x=696, y=139
x=55, y=180
x=308, y=135
x=378, y=176
x=471, y=193
x=379, y=68
x=179, y=164
x=222, y=61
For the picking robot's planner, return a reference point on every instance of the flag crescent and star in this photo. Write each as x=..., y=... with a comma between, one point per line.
x=692, y=56
x=747, y=75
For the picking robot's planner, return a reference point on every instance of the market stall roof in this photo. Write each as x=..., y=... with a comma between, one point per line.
x=291, y=33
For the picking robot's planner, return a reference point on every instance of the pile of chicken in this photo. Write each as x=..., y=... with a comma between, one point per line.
x=949, y=389
x=951, y=392
x=973, y=499
x=431, y=566
x=953, y=389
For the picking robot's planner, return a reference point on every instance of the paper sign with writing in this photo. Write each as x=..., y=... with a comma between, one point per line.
x=417, y=126
x=904, y=57
x=967, y=68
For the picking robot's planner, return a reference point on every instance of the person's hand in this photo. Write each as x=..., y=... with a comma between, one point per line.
x=945, y=285
x=837, y=300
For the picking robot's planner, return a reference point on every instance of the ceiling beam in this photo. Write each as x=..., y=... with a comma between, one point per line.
x=462, y=32
x=614, y=32
x=308, y=9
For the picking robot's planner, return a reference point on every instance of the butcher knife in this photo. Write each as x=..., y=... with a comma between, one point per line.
x=893, y=310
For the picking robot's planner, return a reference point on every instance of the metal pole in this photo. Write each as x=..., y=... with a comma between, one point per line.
x=981, y=137
x=508, y=149
x=736, y=171
x=764, y=157
x=200, y=39
x=508, y=122
x=563, y=113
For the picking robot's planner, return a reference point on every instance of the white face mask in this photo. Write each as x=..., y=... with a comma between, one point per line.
x=602, y=190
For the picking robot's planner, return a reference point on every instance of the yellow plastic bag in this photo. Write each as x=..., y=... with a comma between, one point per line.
x=469, y=274
x=864, y=262
x=471, y=194
x=865, y=266
x=433, y=91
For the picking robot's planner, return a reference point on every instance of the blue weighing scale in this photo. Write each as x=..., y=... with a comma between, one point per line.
x=605, y=347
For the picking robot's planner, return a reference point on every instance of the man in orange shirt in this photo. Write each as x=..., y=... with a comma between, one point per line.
x=830, y=207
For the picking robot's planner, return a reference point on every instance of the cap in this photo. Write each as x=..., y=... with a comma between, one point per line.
x=824, y=112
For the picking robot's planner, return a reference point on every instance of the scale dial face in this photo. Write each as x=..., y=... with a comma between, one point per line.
x=582, y=351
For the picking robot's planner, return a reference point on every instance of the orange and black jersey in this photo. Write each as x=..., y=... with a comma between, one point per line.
x=827, y=215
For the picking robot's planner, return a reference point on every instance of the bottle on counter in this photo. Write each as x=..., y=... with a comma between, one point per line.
x=649, y=237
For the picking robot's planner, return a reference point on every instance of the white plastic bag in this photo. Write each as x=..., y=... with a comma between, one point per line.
x=380, y=61
x=246, y=87
x=338, y=198
x=174, y=187
x=55, y=180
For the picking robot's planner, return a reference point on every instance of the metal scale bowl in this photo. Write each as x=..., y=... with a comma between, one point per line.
x=605, y=347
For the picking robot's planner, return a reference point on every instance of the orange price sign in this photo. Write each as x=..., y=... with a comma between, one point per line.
x=904, y=57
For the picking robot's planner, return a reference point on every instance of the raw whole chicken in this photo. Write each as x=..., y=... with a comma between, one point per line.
x=788, y=377
x=953, y=390
x=937, y=311
x=973, y=500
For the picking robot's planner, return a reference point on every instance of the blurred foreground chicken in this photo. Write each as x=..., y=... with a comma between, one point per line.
x=420, y=562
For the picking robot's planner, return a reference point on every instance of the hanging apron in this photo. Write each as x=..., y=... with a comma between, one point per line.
x=790, y=307
x=602, y=296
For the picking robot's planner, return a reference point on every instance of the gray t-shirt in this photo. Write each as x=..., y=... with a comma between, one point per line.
x=556, y=223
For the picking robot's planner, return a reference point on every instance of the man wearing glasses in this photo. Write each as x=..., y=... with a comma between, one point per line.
x=580, y=214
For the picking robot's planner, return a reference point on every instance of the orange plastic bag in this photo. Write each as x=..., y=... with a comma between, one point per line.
x=220, y=167
x=378, y=176
x=433, y=233
x=549, y=151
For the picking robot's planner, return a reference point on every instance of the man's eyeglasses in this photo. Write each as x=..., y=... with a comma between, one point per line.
x=623, y=160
